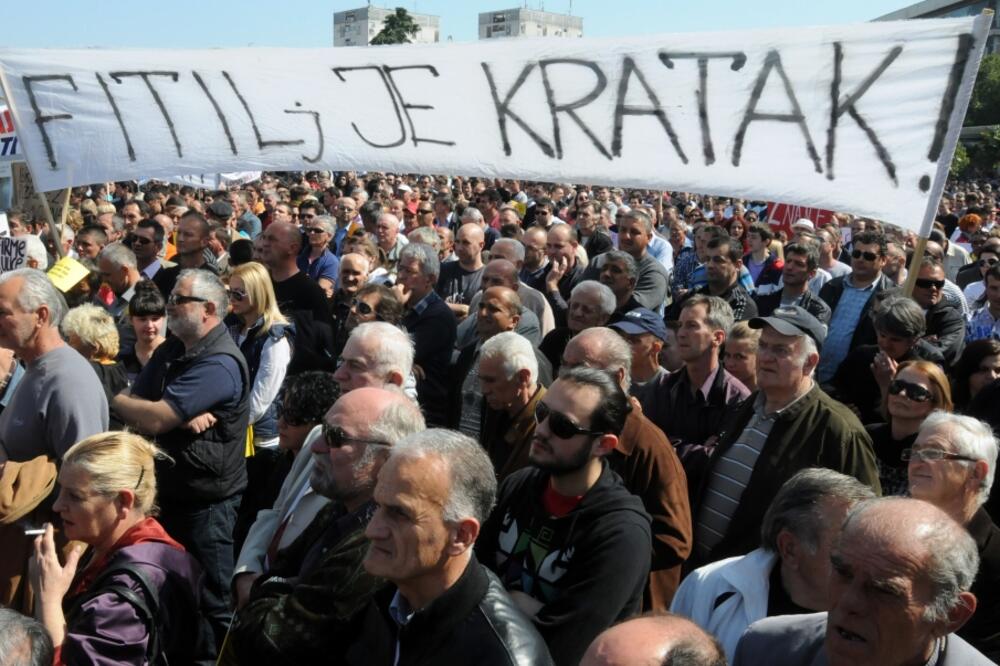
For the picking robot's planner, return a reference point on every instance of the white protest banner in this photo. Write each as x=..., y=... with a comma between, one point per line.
x=8, y=138
x=862, y=118
x=13, y=253
x=213, y=181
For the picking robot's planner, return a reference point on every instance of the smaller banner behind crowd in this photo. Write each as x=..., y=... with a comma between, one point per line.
x=861, y=118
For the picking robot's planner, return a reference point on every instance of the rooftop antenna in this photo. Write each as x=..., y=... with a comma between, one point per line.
x=570, y=7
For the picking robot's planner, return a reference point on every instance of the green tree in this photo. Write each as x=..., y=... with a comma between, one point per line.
x=960, y=161
x=397, y=28
x=984, y=107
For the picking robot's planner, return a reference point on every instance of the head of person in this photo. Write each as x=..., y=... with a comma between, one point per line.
x=535, y=242
x=590, y=304
x=147, y=312
x=281, y=244
x=929, y=286
x=508, y=371
x=197, y=304
x=902, y=570
x=30, y=308
x=670, y=356
x=24, y=641
x=868, y=256
x=499, y=310
x=346, y=210
x=251, y=295
x=724, y=259
x=353, y=273
x=510, y=249
x=704, y=323
x=585, y=217
x=107, y=483
x=305, y=398
x=977, y=367
x=992, y=294
x=578, y=421
x=801, y=262
x=436, y=490
x=788, y=350
x=759, y=237
x=376, y=354
x=146, y=240
x=645, y=332
x=953, y=463
x=91, y=330
x=386, y=231
x=970, y=223
x=917, y=389
x=561, y=243
x=802, y=523
x=358, y=432
x=469, y=243
x=899, y=325
x=418, y=271
x=118, y=267
x=319, y=232
x=603, y=349
x=739, y=356
x=375, y=302
x=90, y=241
x=619, y=273
x=193, y=235
x=635, y=231
x=657, y=639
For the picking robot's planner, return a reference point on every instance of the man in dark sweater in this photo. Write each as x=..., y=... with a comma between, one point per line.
x=294, y=290
x=567, y=539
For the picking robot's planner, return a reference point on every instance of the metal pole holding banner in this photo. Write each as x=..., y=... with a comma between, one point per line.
x=914, y=267
x=53, y=231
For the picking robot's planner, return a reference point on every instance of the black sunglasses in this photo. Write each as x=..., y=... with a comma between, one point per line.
x=177, y=299
x=336, y=437
x=869, y=256
x=559, y=424
x=927, y=283
x=914, y=392
x=362, y=307
x=988, y=262
x=315, y=230
x=290, y=416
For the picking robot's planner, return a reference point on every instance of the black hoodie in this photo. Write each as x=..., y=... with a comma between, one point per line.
x=588, y=568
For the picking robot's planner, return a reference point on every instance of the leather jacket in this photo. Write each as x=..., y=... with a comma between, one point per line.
x=473, y=622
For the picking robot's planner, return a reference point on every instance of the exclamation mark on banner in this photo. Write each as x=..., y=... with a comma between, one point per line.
x=965, y=44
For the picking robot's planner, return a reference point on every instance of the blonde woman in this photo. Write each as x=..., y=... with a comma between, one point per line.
x=91, y=330
x=131, y=596
x=261, y=332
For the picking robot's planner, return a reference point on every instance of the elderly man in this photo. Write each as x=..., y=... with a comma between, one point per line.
x=788, y=425
x=508, y=380
x=59, y=399
x=193, y=399
x=432, y=325
x=442, y=606
x=353, y=276
x=534, y=300
x=590, y=304
x=119, y=270
x=889, y=602
x=389, y=240
x=566, y=535
x=376, y=354
x=500, y=273
x=647, y=465
x=952, y=465
x=661, y=640
x=294, y=290
x=459, y=280
x=788, y=574
x=299, y=609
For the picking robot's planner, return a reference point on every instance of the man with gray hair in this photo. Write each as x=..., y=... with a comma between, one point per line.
x=432, y=325
x=23, y=640
x=788, y=425
x=59, y=400
x=120, y=270
x=299, y=608
x=655, y=639
x=376, y=354
x=443, y=606
x=898, y=592
x=789, y=573
x=192, y=398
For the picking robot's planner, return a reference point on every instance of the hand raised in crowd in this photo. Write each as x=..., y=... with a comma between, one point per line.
x=50, y=581
x=556, y=273
x=884, y=369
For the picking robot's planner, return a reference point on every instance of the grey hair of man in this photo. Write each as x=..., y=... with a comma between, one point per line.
x=118, y=223
x=952, y=555
x=615, y=352
x=36, y=291
x=798, y=506
x=207, y=285
x=515, y=246
x=472, y=214
x=395, y=423
x=394, y=349
x=624, y=258
x=605, y=296
x=119, y=255
x=473, y=482
x=718, y=313
x=971, y=438
x=900, y=316
x=34, y=248
x=328, y=223
x=425, y=255
x=642, y=217
x=23, y=640
x=427, y=236
x=515, y=354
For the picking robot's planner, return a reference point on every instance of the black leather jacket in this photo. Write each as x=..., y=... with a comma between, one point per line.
x=473, y=622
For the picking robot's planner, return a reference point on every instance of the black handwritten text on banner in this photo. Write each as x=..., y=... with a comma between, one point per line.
x=861, y=118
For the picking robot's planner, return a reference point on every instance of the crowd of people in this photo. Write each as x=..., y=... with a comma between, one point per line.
x=397, y=419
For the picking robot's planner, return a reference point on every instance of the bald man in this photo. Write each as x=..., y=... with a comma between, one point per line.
x=353, y=276
x=297, y=294
x=459, y=280
x=654, y=640
x=564, y=272
x=514, y=252
x=499, y=273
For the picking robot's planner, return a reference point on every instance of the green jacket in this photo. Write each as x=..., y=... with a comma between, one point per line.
x=817, y=431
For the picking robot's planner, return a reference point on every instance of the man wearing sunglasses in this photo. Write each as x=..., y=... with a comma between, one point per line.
x=566, y=538
x=975, y=285
x=945, y=330
x=850, y=298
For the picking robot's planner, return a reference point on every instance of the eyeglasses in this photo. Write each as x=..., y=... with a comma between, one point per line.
x=869, y=256
x=335, y=437
x=237, y=295
x=362, y=307
x=914, y=392
x=139, y=240
x=316, y=230
x=560, y=424
x=177, y=299
x=988, y=262
x=927, y=283
x=932, y=454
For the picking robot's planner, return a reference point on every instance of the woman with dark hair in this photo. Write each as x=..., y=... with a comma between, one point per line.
x=148, y=316
x=977, y=367
x=738, y=228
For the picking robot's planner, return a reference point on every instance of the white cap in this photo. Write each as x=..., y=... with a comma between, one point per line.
x=804, y=222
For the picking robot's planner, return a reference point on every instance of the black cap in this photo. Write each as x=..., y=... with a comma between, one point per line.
x=220, y=209
x=793, y=320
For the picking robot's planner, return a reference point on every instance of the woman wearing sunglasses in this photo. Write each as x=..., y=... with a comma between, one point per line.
x=316, y=260
x=917, y=389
